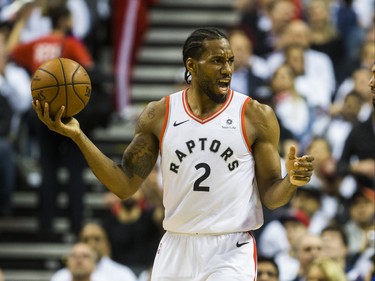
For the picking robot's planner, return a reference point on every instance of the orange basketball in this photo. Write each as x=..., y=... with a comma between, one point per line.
x=60, y=82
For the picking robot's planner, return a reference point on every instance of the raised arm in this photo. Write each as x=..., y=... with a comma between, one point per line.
x=263, y=131
x=138, y=159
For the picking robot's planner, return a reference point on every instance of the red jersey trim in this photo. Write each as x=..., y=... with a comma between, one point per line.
x=166, y=117
x=255, y=255
x=209, y=117
x=243, y=124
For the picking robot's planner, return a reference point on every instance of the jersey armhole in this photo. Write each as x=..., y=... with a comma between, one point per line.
x=243, y=124
x=166, y=117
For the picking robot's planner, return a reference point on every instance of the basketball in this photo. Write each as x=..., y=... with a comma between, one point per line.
x=61, y=82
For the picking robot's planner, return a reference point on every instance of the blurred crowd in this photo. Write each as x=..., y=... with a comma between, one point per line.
x=310, y=60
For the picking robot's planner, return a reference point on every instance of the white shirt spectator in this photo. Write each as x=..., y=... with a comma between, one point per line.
x=319, y=76
x=106, y=270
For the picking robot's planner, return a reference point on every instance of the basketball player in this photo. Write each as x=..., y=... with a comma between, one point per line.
x=219, y=161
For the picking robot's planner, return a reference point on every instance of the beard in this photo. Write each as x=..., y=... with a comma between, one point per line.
x=209, y=91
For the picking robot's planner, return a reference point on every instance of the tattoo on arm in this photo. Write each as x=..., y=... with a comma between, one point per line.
x=140, y=157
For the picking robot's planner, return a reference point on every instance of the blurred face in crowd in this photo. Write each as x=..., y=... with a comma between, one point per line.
x=281, y=15
x=333, y=245
x=294, y=231
x=81, y=261
x=368, y=52
x=320, y=149
x=361, y=78
x=305, y=202
x=351, y=107
x=267, y=272
x=242, y=49
x=96, y=238
x=318, y=13
x=297, y=33
x=310, y=248
x=295, y=58
x=282, y=79
x=362, y=211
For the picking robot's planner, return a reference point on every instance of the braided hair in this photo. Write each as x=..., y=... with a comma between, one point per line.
x=194, y=47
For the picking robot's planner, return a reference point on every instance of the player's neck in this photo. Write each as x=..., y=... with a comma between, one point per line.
x=200, y=104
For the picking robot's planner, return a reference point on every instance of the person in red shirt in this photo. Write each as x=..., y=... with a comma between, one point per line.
x=59, y=43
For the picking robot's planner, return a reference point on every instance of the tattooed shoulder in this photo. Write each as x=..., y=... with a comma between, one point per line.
x=150, y=116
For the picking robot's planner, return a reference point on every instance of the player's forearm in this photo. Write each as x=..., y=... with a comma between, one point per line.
x=105, y=169
x=279, y=193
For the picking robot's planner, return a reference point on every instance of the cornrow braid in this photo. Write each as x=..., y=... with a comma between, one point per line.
x=193, y=46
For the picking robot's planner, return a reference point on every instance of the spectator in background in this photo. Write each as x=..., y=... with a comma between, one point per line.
x=290, y=107
x=325, y=37
x=81, y=262
x=95, y=236
x=337, y=128
x=15, y=99
x=250, y=71
x=363, y=64
x=361, y=219
x=325, y=269
x=282, y=245
x=333, y=200
x=296, y=225
x=318, y=66
x=267, y=269
x=37, y=22
x=360, y=145
x=305, y=85
x=265, y=20
x=348, y=24
x=335, y=246
x=309, y=249
x=357, y=82
x=134, y=225
x=308, y=199
x=55, y=150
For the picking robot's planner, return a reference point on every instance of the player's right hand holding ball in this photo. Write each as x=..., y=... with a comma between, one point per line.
x=68, y=127
x=299, y=169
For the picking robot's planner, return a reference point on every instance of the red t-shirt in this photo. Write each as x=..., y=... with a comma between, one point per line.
x=32, y=54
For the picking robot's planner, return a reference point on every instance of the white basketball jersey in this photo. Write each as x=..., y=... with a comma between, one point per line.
x=208, y=169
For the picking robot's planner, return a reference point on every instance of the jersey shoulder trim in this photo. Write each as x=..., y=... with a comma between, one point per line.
x=166, y=118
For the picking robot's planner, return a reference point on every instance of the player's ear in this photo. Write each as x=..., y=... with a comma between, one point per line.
x=191, y=65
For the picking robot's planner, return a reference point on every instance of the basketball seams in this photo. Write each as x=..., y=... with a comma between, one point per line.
x=73, y=84
x=50, y=86
x=66, y=87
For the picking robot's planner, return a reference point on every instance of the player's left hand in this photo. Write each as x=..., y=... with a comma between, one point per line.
x=299, y=169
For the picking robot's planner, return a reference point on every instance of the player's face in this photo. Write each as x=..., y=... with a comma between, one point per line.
x=214, y=69
x=371, y=84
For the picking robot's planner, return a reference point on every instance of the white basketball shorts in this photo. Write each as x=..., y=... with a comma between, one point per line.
x=226, y=257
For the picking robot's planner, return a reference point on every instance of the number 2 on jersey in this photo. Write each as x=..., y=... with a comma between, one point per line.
x=207, y=172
